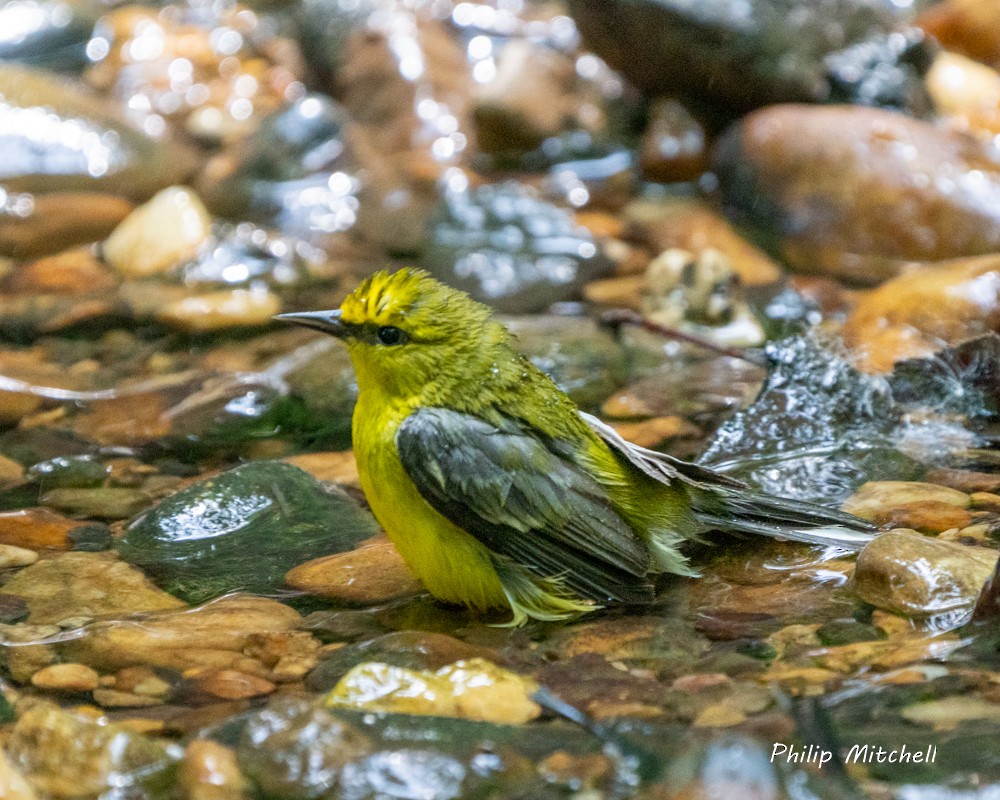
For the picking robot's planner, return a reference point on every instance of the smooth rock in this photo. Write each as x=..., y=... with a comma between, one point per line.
x=331, y=467
x=674, y=146
x=373, y=573
x=745, y=55
x=112, y=698
x=13, y=785
x=510, y=249
x=243, y=530
x=294, y=749
x=880, y=497
x=224, y=684
x=970, y=27
x=11, y=472
x=214, y=636
x=474, y=689
x=209, y=771
x=966, y=93
x=104, y=502
x=66, y=678
x=62, y=273
x=37, y=529
x=12, y=609
x=159, y=235
x=93, y=584
x=925, y=516
x=54, y=222
x=856, y=192
x=11, y=556
x=60, y=137
x=216, y=311
x=917, y=313
x=69, y=755
x=917, y=576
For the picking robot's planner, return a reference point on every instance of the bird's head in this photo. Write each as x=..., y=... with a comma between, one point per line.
x=406, y=330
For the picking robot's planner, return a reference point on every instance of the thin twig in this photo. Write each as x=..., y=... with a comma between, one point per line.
x=623, y=316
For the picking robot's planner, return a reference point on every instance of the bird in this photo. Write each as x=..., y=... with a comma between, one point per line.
x=497, y=490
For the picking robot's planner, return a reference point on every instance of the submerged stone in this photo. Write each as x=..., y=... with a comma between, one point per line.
x=243, y=530
x=511, y=250
x=47, y=33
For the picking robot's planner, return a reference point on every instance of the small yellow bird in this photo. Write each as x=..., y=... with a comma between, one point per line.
x=497, y=490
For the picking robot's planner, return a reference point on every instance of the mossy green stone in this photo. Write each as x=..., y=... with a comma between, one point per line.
x=242, y=531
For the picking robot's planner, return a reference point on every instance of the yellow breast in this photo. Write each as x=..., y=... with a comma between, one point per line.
x=453, y=565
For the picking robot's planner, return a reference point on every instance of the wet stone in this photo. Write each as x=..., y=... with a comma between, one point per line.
x=38, y=529
x=928, y=516
x=225, y=684
x=67, y=755
x=674, y=146
x=56, y=156
x=47, y=34
x=510, y=249
x=11, y=556
x=829, y=183
x=833, y=634
x=209, y=771
x=38, y=225
x=767, y=51
x=166, y=231
x=243, y=529
x=294, y=749
x=94, y=584
x=373, y=573
x=13, y=609
x=108, y=502
x=66, y=678
x=218, y=311
x=13, y=785
x=879, y=497
x=914, y=575
x=473, y=689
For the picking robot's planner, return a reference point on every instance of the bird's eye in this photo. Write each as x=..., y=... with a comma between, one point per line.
x=389, y=334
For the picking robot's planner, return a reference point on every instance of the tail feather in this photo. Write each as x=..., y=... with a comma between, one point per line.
x=754, y=512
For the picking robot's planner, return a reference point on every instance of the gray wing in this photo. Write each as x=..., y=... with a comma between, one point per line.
x=525, y=501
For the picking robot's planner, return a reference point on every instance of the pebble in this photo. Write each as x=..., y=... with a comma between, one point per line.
x=966, y=93
x=881, y=497
x=37, y=529
x=227, y=684
x=11, y=472
x=657, y=430
x=910, y=574
x=215, y=311
x=12, y=609
x=373, y=573
x=926, y=516
x=674, y=145
x=970, y=27
x=66, y=678
x=209, y=771
x=60, y=220
x=103, y=502
x=112, y=698
x=94, y=584
x=164, y=232
x=331, y=467
x=475, y=689
x=11, y=556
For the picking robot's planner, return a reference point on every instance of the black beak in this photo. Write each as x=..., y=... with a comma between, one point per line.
x=326, y=321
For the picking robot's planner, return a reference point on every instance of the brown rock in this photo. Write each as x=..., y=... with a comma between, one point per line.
x=209, y=771
x=333, y=467
x=674, y=145
x=624, y=291
x=915, y=575
x=693, y=225
x=60, y=220
x=880, y=497
x=10, y=472
x=37, y=529
x=66, y=678
x=965, y=480
x=917, y=313
x=24, y=660
x=140, y=680
x=64, y=273
x=926, y=516
x=228, y=684
x=213, y=636
x=215, y=311
x=373, y=573
x=112, y=698
x=861, y=190
x=89, y=584
x=970, y=27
